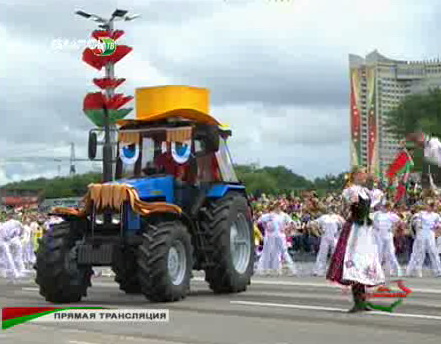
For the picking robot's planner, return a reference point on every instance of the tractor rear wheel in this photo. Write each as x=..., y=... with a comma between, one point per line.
x=126, y=270
x=227, y=225
x=165, y=261
x=60, y=278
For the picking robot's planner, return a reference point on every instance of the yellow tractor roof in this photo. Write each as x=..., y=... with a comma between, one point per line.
x=163, y=102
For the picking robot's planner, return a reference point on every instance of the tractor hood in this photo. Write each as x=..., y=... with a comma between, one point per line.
x=151, y=188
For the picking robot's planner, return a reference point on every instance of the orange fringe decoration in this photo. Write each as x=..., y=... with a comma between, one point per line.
x=105, y=196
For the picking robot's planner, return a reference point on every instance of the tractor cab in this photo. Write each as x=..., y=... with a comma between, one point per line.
x=174, y=161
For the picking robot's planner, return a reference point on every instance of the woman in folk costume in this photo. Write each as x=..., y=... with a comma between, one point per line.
x=274, y=242
x=355, y=261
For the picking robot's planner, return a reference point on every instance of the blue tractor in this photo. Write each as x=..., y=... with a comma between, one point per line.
x=176, y=205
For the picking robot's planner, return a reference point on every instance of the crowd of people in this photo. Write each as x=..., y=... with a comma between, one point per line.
x=20, y=232
x=288, y=225
x=305, y=225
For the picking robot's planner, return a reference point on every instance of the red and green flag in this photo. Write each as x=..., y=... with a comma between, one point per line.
x=401, y=167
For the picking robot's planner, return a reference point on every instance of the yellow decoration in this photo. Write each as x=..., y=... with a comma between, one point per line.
x=37, y=237
x=179, y=135
x=113, y=196
x=258, y=237
x=163, y=102
x=129, y=138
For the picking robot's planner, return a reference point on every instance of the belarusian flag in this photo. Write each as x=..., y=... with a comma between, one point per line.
x=402, y=165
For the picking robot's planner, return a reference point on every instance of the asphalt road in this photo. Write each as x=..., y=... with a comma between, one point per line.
x=274, y=310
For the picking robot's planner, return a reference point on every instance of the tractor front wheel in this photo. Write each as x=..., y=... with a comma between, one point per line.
x=60, y=278
x=165, y=261
x=227, y=225
x=126, y=270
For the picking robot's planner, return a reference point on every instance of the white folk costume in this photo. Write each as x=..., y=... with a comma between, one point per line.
x=2, y=255
x=384, y=224
x=438, y=243
x=12, y=249
x=378, y=198
x=426, y=223
x=274, y=243
x=331, y=225
x=432, y=150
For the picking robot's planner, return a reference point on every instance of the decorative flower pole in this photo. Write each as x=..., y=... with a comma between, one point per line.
x=104, y=109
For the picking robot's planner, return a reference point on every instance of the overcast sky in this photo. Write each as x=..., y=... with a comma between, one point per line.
x=277, y=71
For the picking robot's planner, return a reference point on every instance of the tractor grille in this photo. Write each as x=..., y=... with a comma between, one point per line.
x=96, y=255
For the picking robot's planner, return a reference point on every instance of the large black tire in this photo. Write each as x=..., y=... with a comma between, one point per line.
x=60, y=278
x=153, y=261
x=126, y=270
x=223, y=276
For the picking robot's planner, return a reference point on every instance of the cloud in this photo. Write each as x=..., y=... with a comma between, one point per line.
x=277, y=71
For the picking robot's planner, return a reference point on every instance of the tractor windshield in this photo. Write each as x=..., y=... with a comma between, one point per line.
x=136, y=157
x=225, y=163
x=152, y=152
x=174, y=152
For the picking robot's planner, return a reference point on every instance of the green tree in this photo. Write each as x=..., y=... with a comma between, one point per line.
x=269, y=180
x=416, y=112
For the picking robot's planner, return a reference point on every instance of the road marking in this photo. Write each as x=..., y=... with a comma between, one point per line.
x=280, y=305
x=261, y=282
x=275, y=282
x=30, y=289
x=77, y=342
x=322, y=285
x=428, y=291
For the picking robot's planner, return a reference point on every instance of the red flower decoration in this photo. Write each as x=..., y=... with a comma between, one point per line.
x=98, y=100
x=117, y=101
x=119, y=54
x=350, y=264
x=95, y=100
x=98, y=62
x=93, y=60
x=104, y=83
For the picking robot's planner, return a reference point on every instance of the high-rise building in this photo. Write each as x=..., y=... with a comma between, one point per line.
x=378, y=85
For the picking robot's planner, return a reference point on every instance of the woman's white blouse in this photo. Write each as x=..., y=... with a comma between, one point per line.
x=355, y=190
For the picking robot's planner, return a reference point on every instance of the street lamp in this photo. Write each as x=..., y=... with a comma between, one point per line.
x=107, y=24
x=119, y=13
x=128, y=18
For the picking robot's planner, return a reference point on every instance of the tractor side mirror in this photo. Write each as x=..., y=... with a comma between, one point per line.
x=212, y=142
x=209, y=135
x=93, y=143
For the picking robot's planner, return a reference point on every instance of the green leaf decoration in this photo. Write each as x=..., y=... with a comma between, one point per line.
x=97, y=116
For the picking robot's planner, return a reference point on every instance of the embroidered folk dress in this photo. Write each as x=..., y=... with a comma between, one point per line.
x=356, y=258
